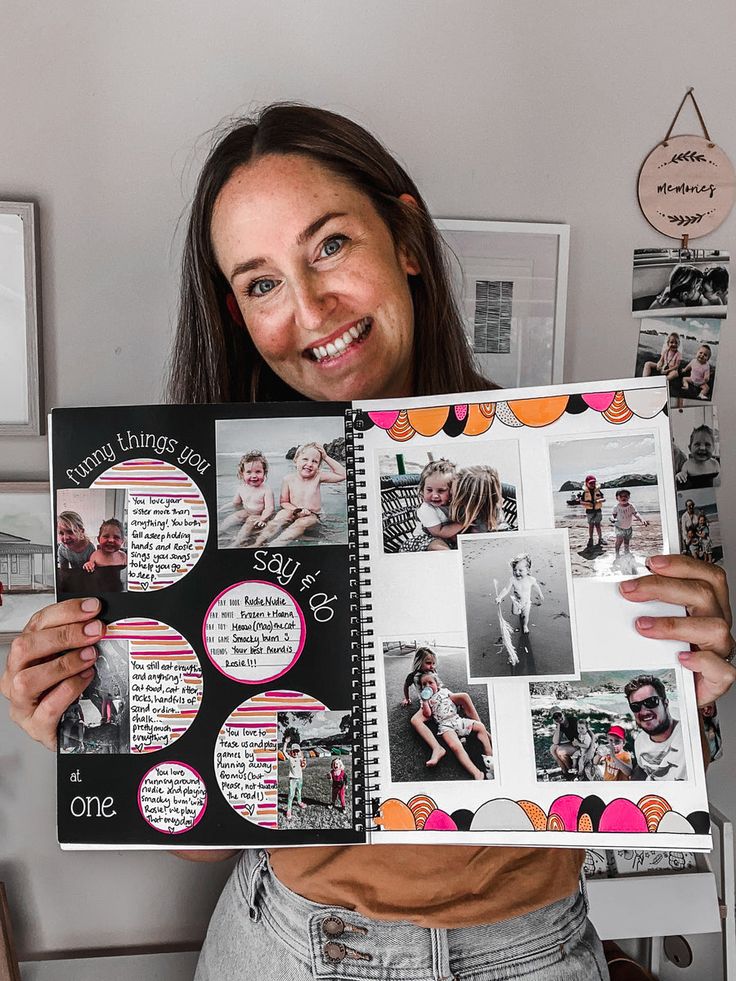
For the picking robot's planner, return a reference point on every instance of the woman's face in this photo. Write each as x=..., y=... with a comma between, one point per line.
x=316, y=275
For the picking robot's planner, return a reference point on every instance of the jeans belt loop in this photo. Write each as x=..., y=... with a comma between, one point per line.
x=254, y=881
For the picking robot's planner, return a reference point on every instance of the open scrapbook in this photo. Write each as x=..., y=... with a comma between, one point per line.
x=400, y=621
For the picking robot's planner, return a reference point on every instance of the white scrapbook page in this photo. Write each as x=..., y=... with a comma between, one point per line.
x=514, y=700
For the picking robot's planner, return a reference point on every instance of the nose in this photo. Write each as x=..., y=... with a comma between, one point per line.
x=314, y=303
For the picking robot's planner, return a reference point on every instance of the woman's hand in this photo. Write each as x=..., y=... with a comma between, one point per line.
x=703, y=590
x=50, y=664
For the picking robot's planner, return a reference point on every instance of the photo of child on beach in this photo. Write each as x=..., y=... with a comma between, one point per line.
x=696, y=450
x=609, y=725
x=681, y=281
x=91, y=551
x=685, y=351
x=315, y=770
x=281, y=482
x=606, y=494
x=430, y=495
x=438, y=725
x=518, y=606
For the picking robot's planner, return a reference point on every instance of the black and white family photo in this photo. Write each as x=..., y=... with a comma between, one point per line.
x=430, y=495
x=92, y=548
x=518, y=606
x=99, y=721
x=696, y=449
x=609, y=725
x=281, y=482
x=680, y=281
x=700, y=529
x=685, y=351
x=315, y=769
x=611, y=511
x=438, y=724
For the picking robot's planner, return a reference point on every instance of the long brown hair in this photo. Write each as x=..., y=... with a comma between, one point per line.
x=213, y=358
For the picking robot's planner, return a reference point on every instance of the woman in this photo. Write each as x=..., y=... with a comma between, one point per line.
x=311, y=269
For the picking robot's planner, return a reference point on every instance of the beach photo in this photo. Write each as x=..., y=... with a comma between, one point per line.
x=518, y=606
x=315, y=769
x=439, y=726
x=682, y=282
x=685, y=351
x=430, y=494
x=281, y=482
x=606, y=494
x=696, y=447
x=609, y=725
x=700, y=528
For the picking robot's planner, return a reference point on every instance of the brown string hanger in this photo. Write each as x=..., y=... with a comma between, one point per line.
x=689, y=95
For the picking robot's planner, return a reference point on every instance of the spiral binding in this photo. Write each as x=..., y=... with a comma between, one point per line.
x=364, y=683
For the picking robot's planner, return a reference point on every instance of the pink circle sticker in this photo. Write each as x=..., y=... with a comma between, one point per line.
x=172, y=797
x=254, y=631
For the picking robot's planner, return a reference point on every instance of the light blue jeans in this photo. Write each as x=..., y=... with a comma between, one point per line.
x=262, y=930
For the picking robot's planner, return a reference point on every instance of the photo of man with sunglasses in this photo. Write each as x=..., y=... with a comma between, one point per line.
x=658, y=742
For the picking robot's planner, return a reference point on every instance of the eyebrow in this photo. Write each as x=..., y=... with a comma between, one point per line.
x=302, y=237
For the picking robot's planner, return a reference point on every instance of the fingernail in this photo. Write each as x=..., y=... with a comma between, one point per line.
x=89, y=673
x=629, y=585
x=90, y=605
x=685, y=655
x=88, y=654
x=93, y=629
x=645, y=623
x=657, y=561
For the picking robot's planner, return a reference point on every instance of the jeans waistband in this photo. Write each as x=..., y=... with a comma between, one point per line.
x=340, y=943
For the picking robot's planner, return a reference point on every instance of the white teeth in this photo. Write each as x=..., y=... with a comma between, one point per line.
x=339, y=344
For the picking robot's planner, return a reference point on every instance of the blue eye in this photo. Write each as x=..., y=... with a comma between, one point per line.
x=332, y=246
x=260, y=287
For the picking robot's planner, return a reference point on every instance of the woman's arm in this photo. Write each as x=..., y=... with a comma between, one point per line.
x=207, y=855
x=702, y=589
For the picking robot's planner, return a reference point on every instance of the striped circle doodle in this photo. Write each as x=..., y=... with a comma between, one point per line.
x=167, y=522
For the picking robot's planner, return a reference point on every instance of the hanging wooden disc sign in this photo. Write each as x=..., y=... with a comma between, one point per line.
x=687, y=183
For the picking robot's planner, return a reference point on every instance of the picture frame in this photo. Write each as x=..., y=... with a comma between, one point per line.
x=510, y=281
x=20, y=326
x=27, y=554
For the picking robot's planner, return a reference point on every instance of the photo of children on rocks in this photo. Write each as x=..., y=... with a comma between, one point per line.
x=281, y=482
x=91, y=550
x=685, y=352
x=517, y=604
x=606, y=494
x=696, y=450
x=430, y=495
x=315, y=770
x=438, y=725
x=700, y=529
x=609, y=725
x=99, y=721
x=680, y=281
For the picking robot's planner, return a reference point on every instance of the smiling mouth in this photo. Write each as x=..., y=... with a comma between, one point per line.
x=339, y=345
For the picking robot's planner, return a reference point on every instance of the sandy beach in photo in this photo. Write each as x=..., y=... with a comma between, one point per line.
x=645, y=541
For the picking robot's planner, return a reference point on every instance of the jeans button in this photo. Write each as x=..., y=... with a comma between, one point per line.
x=333, y=926
x=334, y=951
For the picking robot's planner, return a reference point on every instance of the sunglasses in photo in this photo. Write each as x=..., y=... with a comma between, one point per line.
x=651, y=703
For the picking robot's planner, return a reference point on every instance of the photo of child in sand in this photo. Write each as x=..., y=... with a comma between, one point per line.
x=91, y=552
x=438, y=725
x=680, y=281
x=315, y=770
x=518, y=606
x=593, y=729
x=612, y=511
x=430, y=495
x=695, y=448
x=281, y=482
x=685, y=351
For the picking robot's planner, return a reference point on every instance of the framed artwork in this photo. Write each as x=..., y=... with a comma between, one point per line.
x=26, y=554
x=510, y=281
x=20, y=382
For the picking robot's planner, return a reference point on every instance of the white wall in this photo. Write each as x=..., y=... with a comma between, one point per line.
x=508, y=110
